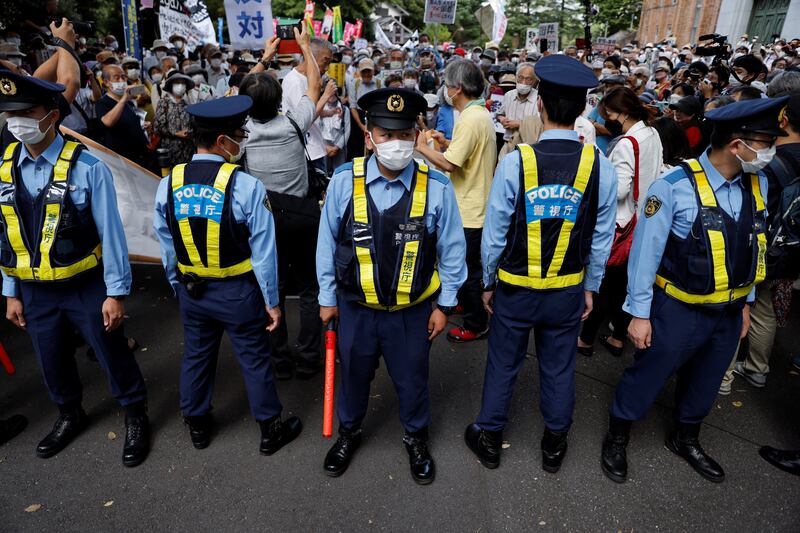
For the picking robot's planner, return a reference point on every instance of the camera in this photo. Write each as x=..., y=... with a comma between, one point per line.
x=717, y=48
x=80, y=27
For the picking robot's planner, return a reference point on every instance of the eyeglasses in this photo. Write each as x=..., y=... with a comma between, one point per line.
x=769, y=142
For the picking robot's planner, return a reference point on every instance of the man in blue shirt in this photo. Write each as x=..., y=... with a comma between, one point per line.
x=696, y=257
x=390, y=239
x=217, y=236
x=64, y=260
x=549, y=226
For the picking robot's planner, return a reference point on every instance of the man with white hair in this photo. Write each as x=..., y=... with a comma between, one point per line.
x=519, y=103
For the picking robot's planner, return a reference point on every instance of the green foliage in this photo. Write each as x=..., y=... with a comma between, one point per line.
x=615, y=15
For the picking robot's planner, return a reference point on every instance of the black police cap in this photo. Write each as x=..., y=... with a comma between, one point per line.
x=393, y=109
x=19, y=92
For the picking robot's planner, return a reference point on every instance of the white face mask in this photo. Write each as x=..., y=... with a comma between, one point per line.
x=178, y=89
x=179, y=45
x=161, y=55
x=410, y=84
x=395, y=65
x=485, y=62
x=26, y=130
x=198, y=79
x=347, y=60
x=16, y=61
x=674, y=98
x=157, y=77
x=448, y=98
x=240, y=153
x=118, y=87
x=763, y=157
x=394, y=155
x=430, y=115
x=476, y=57
x=133, y=73
x=216, y=62
x=82, y=40
x=113, y=45
x=524, y=89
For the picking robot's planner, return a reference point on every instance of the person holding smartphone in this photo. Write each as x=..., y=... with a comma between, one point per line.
x=122, y=130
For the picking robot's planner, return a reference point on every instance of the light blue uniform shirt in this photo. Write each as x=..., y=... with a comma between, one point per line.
x=441, y=214
x=503, y=204
x=677, y=212
x=248, y=206
x=90, y=185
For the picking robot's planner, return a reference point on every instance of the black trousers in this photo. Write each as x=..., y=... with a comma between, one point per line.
x=475, y=317
x=608, y=305
x=296, y=236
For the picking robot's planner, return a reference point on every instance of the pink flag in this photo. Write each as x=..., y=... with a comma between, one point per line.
x=317, y=27
x=349, y=32
x=359, y=28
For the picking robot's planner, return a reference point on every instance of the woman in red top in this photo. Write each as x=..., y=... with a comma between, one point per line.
x=687, y=112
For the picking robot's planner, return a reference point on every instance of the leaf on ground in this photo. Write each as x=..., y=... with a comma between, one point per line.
x=506, y=444
x=111, y=435
x=737, y=403
x=33, y=508
x=109, y=503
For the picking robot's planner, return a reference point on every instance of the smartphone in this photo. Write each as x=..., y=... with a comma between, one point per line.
x=136, y=90
x=542, y=45
x=285, y=32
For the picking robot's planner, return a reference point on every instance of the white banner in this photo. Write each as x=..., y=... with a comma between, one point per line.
x=499, y=23
x=440, y=11
x=249, y=23
x=136, y=197
x=188, y=18
x=549, y=31
x=380, y=36
x=530, y=39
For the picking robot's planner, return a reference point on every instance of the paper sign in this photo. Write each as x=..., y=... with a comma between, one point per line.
x=189, y=19
x=440, y=11
x=249, y=23
x=549, y=31
x=530, y=39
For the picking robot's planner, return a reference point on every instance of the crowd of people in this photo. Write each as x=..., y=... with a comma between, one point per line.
x=559, y=189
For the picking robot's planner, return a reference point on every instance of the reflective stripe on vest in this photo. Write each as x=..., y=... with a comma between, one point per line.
x=536, y=279
x=45, y=271
x=723, y=292
x=212, y=268
x=364, y=247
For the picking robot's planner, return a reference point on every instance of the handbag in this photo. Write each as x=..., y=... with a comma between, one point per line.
x=623, y=235
x=317, y=179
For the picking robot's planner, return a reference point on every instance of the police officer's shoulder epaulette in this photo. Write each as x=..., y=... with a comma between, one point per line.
x=438, y=176
x=675, y=175
x=345, y=167
x=87, y=158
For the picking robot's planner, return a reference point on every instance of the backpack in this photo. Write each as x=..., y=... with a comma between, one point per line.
x=783, y=250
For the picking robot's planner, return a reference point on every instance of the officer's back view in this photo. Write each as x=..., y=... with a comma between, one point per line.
x=217, y=236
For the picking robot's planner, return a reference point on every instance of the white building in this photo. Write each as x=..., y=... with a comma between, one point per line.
x=762, y=18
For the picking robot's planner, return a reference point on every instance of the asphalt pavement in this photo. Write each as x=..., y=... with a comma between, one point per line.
x=230, y=487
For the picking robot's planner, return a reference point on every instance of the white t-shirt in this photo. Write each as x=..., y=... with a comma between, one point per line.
x=294, y=88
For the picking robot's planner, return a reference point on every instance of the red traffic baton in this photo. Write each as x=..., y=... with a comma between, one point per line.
x=330, y=365
x=6, y=361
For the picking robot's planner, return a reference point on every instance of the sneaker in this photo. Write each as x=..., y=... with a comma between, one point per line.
x=725, y=388
x=460, y=334
x=756, y=379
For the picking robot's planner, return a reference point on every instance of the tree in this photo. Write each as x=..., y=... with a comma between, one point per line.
x=616, y=15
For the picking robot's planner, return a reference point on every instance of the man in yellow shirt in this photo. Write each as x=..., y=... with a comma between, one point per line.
x=470, y=159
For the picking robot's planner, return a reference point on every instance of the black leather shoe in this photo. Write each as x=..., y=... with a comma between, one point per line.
x=11, y=427
x=277, y=433
x=616, y=351
x=137, y=440
x=786, y=460
x=423, y=469
x=684, y=443
x=614, y=458
x=67, y=427
x=338, y=458
x=283, y=370
x=554, y=449
x=200, y=428
x=306, y=370
x=484, y=444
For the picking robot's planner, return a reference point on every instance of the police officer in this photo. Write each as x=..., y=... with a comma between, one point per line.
x=11, y=427
x=390, y=239
x=65, y=261
x=217, y=235
x=697, y=254
x=549, y=226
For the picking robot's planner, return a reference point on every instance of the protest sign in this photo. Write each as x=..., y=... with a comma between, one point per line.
x=249, y=23
x=549, y=31
x=440, y=11
x=131, y=29
x=189, y=19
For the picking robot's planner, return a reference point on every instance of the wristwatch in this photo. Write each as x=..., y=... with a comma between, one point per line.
x=446, y=309
x=119, y=298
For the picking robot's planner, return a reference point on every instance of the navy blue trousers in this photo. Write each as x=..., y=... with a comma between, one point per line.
x=693, y=341
x=235, y=306
x=364, y=335
x=555, y=318
x=53, y=310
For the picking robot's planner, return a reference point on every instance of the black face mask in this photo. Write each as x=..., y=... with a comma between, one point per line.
x=614, y=128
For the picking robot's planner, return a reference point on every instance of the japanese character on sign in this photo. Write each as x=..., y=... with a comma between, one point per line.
x=251, y=24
